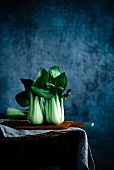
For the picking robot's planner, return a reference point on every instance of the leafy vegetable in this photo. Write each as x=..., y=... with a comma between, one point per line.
x=56, y=85
x=11, y=112
x=22, y=98
x=35, y=115
x=44, y=97
x=41, y=78
x=41, y=92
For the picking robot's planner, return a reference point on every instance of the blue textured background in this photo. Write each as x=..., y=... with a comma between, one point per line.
x=77, y=35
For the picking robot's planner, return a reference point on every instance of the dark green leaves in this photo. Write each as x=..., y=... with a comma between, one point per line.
x=61, y=80
x=54, y=71
x=57, y=81
x=46, y=84
x=64, y=96
x=41, y=78
x=27, y=85
x=22, y=99
x=41, y=92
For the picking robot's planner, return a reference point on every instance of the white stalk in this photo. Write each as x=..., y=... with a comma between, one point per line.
x=47, y=110
x=62, y=111
x=30, y=111
x=37, y=117
x=54, y=113
x=58, y=106
x=41, y=106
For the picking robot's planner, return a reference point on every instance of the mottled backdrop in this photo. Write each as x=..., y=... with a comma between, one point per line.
x=77, y=35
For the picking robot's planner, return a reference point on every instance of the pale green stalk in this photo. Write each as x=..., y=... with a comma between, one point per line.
x=35, y=115
x=54, y=117
x=62, y=111
x=30, y=111
x=14, y=112
x=58, y=106
x=47, y=110
x=42, y=107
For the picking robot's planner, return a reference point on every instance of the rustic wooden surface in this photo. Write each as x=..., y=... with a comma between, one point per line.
x=32, y=152
x=45, y=126
x=42, y=150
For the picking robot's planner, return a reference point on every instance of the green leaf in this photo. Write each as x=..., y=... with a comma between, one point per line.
x=49, y=85
x=13, y=112
x=22, y=99
x=61, y=80
x=54, y=89
x=27, y=84
x=58, y=85
x=67, y=94
x=41, y=78
x=60, y=88
x=42, y=92
x=53, y=72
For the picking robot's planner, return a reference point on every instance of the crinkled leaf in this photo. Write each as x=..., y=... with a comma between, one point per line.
x=42, y=92
x=61, y=80
x=27, y=84
x=49, y=85
x=66, y=94
x=41, y=78
x=22, y=99
x=54, y=89
x=60, y=88
x=58, y=85
x=53, y=72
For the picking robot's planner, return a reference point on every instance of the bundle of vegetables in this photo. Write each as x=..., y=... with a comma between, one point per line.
x=44, y=96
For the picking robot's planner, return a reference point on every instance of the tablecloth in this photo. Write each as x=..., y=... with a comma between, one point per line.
x=84, y=153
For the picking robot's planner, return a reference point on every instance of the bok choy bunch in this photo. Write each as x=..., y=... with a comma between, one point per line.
x=34, y=101
x=36, y=113
x=52, y=92
x=56, y=85
x=44, y=97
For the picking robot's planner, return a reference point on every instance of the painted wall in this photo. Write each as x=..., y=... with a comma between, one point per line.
x=77, y=35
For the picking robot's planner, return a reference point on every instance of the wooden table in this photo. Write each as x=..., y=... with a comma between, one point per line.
x=32, y=152
x=41, y=150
